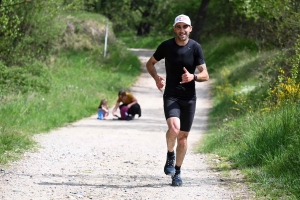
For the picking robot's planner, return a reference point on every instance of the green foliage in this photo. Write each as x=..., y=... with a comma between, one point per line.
x=139, y=16
x=275, y=22
x=12, y=144
x=286, y=86
x=270, y=23
x=221, y=18
x=267, y=145
x=28, y=30
x=271, y=136
x=143, y=17
x=232, y=63
x=142, y=42
x=74, y=5
x=295, y=61
x=40, y=96
x=31, y=78
x=37, y=112
x=253, y=128
x=78, y=34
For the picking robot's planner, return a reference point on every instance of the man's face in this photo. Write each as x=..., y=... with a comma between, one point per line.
x=182, y=31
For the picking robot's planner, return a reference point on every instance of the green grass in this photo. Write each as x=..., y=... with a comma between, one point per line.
x=142, y=42
x=13, y=143
x=262, y=144
x=265, y=146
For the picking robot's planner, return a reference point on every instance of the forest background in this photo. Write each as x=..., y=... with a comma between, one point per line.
x=53, y=71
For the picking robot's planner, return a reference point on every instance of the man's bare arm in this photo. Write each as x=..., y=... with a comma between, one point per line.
x=203, y=75
x=151, y=68
x=152, y=71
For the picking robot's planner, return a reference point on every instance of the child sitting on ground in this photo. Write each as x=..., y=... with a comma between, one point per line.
x=103, y=110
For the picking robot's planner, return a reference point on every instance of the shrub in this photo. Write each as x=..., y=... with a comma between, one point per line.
x=32, y=77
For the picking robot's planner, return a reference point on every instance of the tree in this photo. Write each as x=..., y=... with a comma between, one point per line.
x=144, y=26
x=25, y=27
x=200, y=19
x=138, y=15
x=274, y=22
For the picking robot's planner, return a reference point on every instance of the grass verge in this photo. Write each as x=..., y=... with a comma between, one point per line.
x=261, y=142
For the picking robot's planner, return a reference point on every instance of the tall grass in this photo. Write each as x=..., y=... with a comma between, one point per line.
x=260, y=140
x=265, y=146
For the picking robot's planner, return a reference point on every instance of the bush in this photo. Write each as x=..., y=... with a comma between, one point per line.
x=33, y=77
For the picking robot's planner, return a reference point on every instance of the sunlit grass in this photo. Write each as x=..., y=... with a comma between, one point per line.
x=252, y=126
x=267, y=143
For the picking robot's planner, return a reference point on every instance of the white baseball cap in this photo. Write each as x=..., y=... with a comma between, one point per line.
x=182, y=18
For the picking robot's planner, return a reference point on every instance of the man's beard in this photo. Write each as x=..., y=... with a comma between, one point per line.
x=183, y=37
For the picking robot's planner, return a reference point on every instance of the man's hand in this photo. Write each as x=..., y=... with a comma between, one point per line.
x=186, y=77
x=160, y=83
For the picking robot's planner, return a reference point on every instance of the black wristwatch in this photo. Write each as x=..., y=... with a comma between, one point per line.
x=195, y=77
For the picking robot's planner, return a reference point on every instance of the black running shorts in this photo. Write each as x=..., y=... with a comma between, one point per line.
x=182, y=109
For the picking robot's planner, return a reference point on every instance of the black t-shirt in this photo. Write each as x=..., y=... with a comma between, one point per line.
x=176, y=57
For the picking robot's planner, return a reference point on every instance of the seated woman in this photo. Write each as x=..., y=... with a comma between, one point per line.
x=129, y=106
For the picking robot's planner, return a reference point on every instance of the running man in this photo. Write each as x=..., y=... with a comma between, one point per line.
x=182, y=56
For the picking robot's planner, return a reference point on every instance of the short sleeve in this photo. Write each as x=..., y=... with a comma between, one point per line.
x=159, y=53
x=199, y=55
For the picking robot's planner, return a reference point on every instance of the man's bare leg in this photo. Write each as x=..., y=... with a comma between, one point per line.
x=171, y=138
x=181, y=147
x=180, y=154
x=172, y=133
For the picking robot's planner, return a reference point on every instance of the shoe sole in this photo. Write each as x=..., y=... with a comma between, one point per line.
x=177, y=185
x=170, y=173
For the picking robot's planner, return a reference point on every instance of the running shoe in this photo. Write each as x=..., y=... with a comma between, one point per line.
x=176, y=180
x=169, y=168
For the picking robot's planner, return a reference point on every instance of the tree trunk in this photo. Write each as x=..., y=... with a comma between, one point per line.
x=199, y=22
x=143, y=29
x=145, y=25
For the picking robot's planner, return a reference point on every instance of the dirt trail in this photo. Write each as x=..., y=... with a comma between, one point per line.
x=111, y=159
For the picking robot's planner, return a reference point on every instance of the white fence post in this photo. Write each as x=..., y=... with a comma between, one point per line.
x=105, y=44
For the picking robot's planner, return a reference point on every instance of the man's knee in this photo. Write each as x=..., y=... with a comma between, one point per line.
x=182, y=141
x=174, y=125
x=182, y=138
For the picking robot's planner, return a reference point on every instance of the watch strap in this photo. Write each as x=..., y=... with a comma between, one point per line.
x=195, y=77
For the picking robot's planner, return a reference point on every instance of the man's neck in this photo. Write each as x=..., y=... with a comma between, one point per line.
x=181, y=42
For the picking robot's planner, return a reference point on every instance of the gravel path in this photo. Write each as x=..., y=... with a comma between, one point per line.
x=112, y=159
